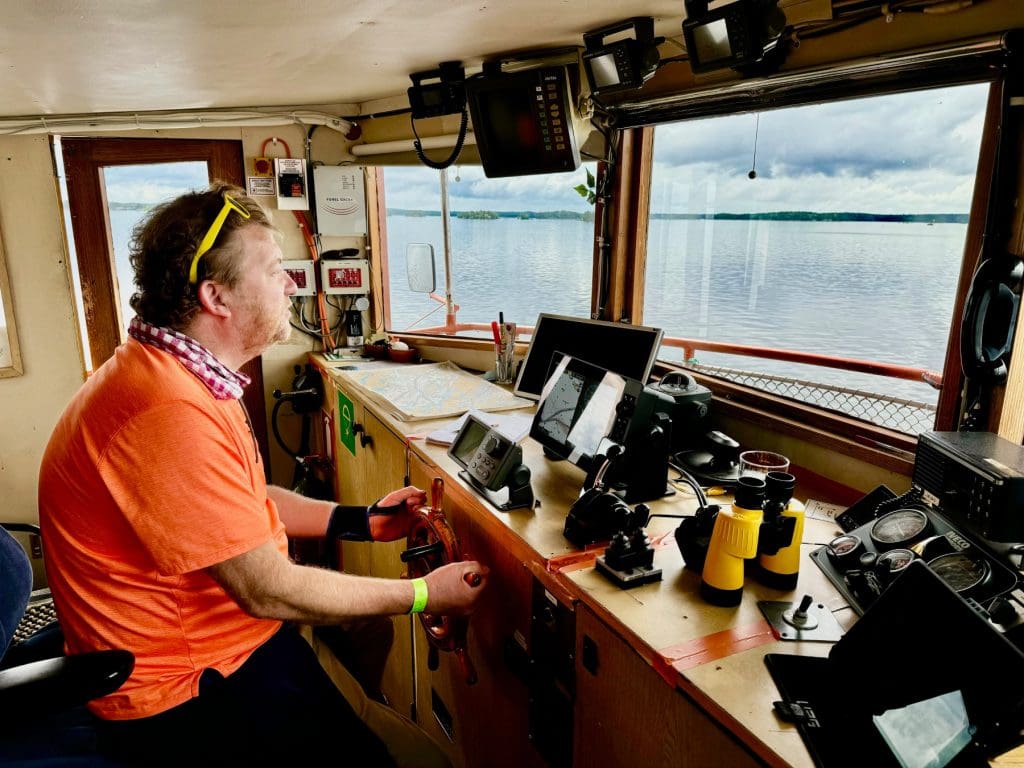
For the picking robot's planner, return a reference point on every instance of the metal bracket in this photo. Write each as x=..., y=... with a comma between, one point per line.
x=809, y=621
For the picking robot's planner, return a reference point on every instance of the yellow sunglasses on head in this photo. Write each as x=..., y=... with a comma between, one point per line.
x=211, y=234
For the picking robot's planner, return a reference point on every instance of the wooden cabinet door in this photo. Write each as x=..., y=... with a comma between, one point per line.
x=627, y=715
x=485, y=723
x=383, y=468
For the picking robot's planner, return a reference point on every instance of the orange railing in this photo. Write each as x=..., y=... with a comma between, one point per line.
x=690, y=347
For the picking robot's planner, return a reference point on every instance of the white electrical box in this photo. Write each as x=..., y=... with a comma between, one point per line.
x=302, y=275
x=349, y=276
x=340, y=199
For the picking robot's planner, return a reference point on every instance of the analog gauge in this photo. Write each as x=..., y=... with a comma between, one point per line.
x=844, y=550
x=899, y=527
x=891, y=563
x=959, y=570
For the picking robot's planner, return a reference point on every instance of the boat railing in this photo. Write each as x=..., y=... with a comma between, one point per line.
x=903, y=415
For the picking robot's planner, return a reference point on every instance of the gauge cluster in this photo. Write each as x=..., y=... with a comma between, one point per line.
x=863, y=562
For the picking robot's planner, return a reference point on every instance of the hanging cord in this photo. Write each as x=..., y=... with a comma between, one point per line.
x=603, y=197
x=456, y=150
x=325, y=331
x=753, y=163
x=311, y=186
x=263, y=146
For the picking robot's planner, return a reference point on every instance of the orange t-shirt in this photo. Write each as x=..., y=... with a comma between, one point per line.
x=148, y=480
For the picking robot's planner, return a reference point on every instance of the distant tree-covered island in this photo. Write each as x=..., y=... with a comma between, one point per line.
x=491, y=215
x=588, y=215
x=917, y=218
x=130, y=206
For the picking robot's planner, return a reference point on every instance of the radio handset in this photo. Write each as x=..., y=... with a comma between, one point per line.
x=990, y=318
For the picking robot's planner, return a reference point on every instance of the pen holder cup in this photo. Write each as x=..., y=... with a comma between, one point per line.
x=503, y=365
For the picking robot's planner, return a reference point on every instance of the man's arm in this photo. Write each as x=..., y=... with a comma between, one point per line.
x=387, y=520
x=267, y=585
x=302, y=516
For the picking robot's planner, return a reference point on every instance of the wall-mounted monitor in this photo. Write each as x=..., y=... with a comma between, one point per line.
x=522, y=122
x=629, y=350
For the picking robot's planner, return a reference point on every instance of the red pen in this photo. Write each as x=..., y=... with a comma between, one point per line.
x=497, y=334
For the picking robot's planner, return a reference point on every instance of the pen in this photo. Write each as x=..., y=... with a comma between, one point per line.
x=501, y=318
x=497, y=334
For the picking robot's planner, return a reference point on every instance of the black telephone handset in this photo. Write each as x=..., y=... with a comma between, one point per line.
x=990, y=318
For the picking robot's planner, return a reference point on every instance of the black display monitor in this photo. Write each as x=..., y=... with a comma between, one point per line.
x=629, y=350
x=522, y=122
x=581, y=408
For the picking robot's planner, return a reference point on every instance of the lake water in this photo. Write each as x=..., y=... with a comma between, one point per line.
x=870, y=290
x=876, y=291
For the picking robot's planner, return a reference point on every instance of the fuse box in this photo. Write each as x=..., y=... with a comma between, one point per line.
x=302, y=275
x=345, y=276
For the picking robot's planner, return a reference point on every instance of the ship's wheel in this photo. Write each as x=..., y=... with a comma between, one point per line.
x=431, y=543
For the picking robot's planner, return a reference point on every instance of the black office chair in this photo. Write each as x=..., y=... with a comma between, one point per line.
x=42, y=691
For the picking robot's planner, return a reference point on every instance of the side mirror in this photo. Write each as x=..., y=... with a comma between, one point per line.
x=419, y=267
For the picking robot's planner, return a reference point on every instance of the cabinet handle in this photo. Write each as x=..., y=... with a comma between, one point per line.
x=359, y=429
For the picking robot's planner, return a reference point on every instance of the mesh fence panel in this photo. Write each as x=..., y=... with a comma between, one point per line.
x=902, y=415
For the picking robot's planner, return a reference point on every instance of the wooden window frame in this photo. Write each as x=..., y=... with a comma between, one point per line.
x=878, y=445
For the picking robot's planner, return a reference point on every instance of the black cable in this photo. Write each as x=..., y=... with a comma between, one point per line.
x=687, y=478
x=456, y=150
x=277, y=433
x=374, y=115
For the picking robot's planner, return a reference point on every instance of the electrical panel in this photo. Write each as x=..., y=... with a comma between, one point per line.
x=345, y=276
x=292, y=185
x=302, y=274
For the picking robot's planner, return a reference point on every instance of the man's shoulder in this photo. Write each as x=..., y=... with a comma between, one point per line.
x=147, y=375
x=136, y=380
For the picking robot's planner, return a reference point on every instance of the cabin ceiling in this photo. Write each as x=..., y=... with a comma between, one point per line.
x=72, y=57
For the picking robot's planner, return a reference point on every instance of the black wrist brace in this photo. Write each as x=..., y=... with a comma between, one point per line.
x=349, y=523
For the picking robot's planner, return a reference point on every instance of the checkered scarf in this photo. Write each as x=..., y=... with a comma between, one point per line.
x=222, y=382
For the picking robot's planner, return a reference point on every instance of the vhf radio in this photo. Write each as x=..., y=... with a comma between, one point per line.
x=976, y=479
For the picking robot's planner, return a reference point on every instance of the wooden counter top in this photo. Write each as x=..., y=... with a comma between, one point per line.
x=715, y=655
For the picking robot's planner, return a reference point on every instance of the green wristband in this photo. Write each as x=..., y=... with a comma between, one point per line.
x=419, y=600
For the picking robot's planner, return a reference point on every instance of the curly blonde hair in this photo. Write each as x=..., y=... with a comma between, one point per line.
x=164, y=242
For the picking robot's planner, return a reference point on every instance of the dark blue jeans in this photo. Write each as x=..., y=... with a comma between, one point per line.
x=279, y=708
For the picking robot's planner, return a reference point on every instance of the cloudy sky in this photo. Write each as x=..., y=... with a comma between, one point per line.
x=905, y=153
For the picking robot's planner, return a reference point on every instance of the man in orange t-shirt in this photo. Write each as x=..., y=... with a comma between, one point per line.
x=162, y=537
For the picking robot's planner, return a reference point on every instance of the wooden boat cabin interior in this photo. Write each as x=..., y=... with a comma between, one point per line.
x=642, y=241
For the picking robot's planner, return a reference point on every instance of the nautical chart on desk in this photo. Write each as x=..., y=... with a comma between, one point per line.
x=431, y=391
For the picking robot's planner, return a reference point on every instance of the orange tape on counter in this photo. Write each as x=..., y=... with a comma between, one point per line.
x=575, y=561
x=703, y=650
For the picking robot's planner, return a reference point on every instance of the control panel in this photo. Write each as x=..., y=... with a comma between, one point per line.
x=488, y=458
x=485, y=453
x=976, y=479
x=345, y=276
x=301, y=273
x=491, y=463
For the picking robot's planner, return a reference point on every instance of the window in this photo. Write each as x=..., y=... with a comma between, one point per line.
x=519, y=246
x=834, y=229
x=131, y=190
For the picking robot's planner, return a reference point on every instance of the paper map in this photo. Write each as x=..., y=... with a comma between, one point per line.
x=431, y=391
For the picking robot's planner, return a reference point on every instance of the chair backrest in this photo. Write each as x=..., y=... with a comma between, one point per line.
x=16, y=577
